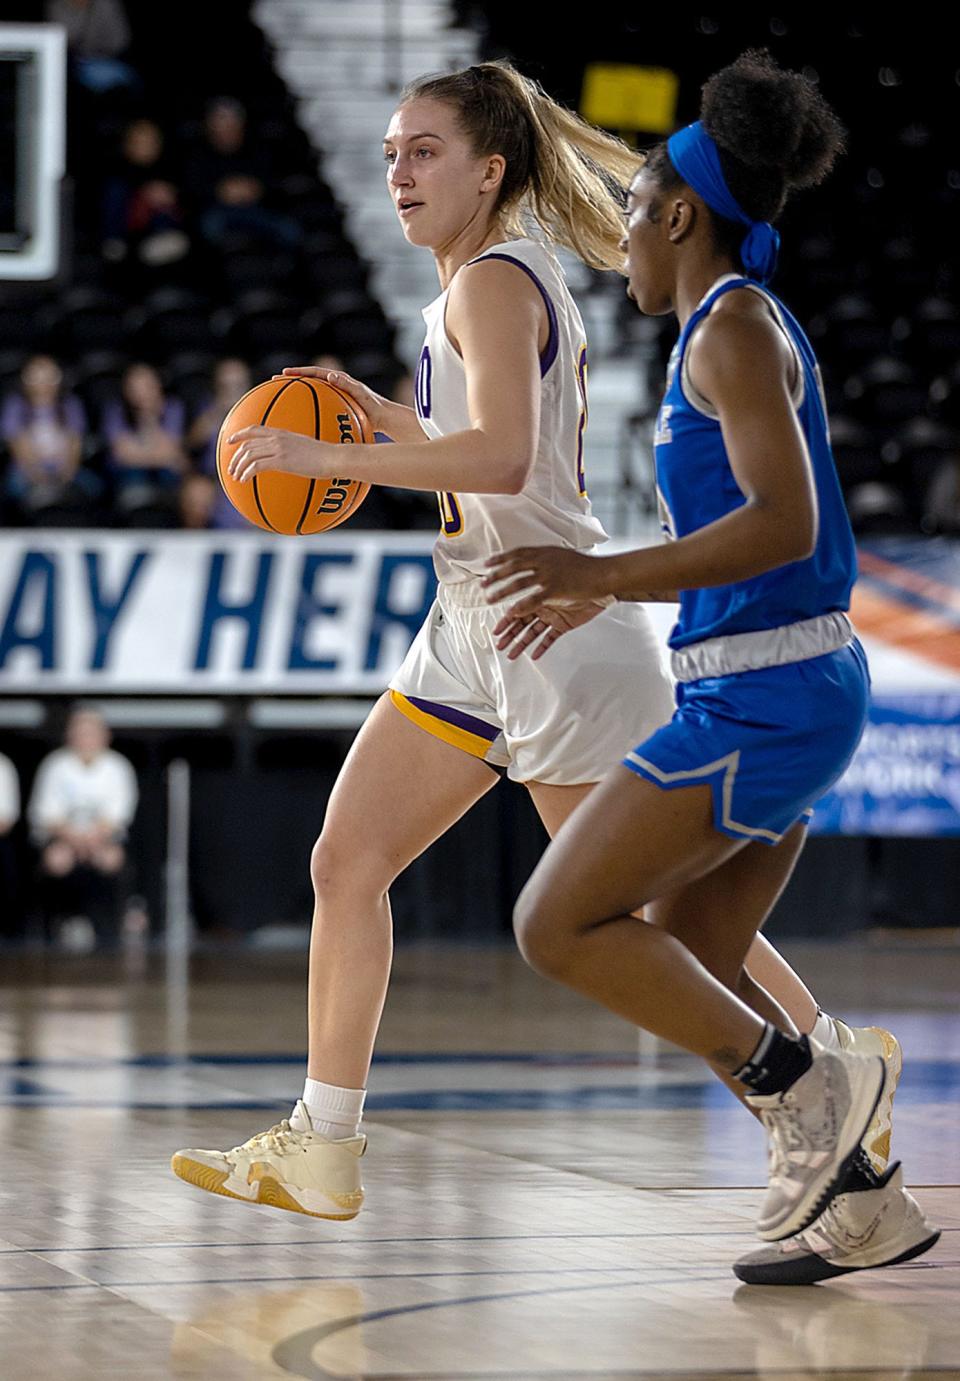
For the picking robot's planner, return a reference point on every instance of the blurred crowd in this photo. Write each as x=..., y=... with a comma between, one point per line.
x=143, y=456
x=207, y=253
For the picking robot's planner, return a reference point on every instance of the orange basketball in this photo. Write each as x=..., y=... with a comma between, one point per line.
x=293, y=503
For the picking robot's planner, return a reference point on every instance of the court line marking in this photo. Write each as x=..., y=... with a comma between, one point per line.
x=41, y=1253
x=426, y=1057
x=558, y=1059
x=358, y=1275
x=666, y=1275
x=633, y=1097
x=141, y=1247
x=292, y=1353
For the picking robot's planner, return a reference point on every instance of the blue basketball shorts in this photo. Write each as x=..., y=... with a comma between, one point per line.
x=769, y=743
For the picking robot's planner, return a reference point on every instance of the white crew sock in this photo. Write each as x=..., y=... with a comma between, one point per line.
x=334, y=1112
x=825, y=1031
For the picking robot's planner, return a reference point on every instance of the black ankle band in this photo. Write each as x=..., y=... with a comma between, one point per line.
x=777, y=1062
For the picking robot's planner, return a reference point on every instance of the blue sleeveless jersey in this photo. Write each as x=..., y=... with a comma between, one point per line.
x=696, y=486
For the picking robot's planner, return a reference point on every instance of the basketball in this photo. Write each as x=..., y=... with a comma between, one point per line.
x=285, y=503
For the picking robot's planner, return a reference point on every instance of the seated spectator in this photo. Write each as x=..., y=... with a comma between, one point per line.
x=230, y=181
x=941, y=499
x=9, y=796
x=9, y=815
x=231, y=380
x=198, y=499
x=83, y=800
x=144, y=431
x=142, y=211
x=327, y=361
x=97, y=36
x=44, y=428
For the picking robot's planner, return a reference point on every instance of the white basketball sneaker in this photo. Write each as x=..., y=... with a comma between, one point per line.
x=872, y=1223
x=814, y=1131
x=874, y=1040
x=286, y=1167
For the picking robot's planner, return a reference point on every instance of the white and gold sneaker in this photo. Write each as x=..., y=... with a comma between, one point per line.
x=290, y=1166
x=874, y=1040
x=872, y=1222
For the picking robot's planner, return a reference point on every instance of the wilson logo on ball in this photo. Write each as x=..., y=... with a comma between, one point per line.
x=336, y=496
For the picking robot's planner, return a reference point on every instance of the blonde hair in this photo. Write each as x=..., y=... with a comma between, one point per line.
x=566, y=174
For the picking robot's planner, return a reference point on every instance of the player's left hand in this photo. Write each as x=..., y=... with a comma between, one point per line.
x=515, y=635
x=545, y=577
x=269, y=448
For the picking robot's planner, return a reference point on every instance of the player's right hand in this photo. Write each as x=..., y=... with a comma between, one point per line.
x=373, y=404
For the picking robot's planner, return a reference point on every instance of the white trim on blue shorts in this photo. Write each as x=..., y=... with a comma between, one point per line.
x=730, y=765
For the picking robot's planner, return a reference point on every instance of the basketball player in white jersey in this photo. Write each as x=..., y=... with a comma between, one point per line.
x=473, y=160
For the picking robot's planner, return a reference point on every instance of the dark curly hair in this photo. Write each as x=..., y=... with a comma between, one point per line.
x=774, y=131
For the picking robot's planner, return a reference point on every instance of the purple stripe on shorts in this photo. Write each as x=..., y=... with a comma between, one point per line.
x=553, y=339
x=457, y=717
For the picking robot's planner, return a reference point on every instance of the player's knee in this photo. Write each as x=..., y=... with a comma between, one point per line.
x=540, y=934
x=328, y=867
x=339, y=873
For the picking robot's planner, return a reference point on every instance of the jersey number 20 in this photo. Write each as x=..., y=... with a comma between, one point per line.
x=450, y=515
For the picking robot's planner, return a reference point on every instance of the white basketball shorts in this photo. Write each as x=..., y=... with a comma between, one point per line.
x=565, y=719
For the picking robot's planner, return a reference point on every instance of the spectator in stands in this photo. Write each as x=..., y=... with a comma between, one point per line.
x=198, y=500
x=44, y=428
x=941, y=499
x=230, y=180
x=9, y=815
x=144, y=431
x=328, y=361
x=9, y=796
x=83, y=800
x=97, y=36
x=231, y=380
x=142, y=211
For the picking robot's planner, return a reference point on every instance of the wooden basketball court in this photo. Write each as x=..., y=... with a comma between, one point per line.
x=545, y=1200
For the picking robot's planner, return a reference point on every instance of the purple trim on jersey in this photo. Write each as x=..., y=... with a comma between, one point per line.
x=423, y=386
x=553, y=339
x=457, y=717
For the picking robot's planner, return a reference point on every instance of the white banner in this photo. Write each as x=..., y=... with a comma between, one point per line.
x=253, y=613
x=230, y=613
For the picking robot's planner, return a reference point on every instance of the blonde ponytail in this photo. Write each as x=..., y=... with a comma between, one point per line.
x=565, y=174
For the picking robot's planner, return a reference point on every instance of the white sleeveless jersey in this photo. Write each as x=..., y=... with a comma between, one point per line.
x=552, y=508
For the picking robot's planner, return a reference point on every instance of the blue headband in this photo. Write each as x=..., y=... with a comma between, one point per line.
x=695, y=156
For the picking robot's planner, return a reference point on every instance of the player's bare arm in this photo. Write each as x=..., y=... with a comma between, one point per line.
x=739, y=364
x=496, y=318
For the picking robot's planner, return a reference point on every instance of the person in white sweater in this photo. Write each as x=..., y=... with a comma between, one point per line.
x=9, y=796
x=9, y=815
x=83, y=801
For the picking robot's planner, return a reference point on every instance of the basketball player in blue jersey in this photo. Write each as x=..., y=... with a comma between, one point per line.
x=472, y=158
x=704, y=827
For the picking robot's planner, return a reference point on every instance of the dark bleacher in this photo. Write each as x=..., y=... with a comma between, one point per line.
x=248, y=295
x=869, y=261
